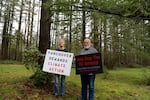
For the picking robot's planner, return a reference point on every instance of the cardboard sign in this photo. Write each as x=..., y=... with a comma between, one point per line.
x=90, y=63
x=58, y=62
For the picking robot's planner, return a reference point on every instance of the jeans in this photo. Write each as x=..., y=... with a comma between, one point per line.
x=59, y=86
x=87, y=80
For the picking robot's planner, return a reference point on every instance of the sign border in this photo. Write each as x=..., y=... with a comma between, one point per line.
x=100, y=69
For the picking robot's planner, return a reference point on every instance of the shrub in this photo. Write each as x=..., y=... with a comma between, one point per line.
x=31, y=60
x=41, y=79
x=146, y=77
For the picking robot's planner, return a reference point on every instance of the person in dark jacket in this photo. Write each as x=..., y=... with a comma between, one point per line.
x=59, y=85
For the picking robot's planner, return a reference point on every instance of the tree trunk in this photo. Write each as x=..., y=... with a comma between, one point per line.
x=28, y=31
x=105, y=51
x=70, y=29
x=83, y=22
x=30, y=43
x=18, y=33
x=44, y=37
x=96, y=20
x=10, y=56
x=5, y=40
x=1, y=5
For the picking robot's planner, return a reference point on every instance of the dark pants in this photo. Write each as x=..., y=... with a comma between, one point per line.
x=87, y=80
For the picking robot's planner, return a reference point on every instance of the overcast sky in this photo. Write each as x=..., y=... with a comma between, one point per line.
x=15, y=22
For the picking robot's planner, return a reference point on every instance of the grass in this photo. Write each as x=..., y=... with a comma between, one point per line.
x=10, y=77
x=118, y=84
x=123, y=84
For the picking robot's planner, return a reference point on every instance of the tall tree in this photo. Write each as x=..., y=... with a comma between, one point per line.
x=1, y=5
x=70, y=28
x=32, y=19
x=95, y=31
x=44, y=37
x=5, y=40
x=18, y=33
x=29, y=24
x=83, y=20
x=5, y=34
x=12, y=7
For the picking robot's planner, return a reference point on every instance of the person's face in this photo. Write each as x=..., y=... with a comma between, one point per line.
x=86, y=43
x=61, y=43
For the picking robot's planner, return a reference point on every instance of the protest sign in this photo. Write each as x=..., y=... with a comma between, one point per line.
x=58, y=62
x=90, y=63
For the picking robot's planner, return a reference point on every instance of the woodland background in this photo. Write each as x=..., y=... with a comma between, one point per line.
x=119, y=29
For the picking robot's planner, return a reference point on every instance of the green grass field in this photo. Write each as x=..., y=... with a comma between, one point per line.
x=118, y=84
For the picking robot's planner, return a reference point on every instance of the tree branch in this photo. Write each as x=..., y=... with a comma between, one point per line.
x=90, y=8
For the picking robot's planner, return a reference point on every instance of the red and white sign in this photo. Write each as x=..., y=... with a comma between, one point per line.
x=58, y=62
